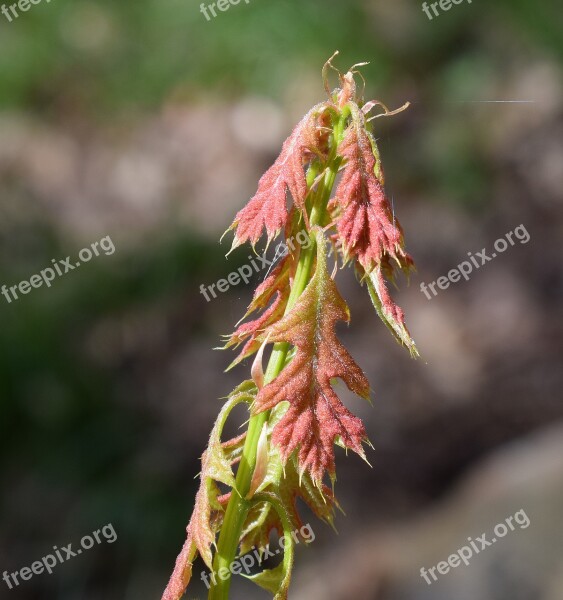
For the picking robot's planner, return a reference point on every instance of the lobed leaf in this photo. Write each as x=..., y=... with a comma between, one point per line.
x=366, y=224
x=315, y=416
x=273, y=291
x=267, y=211
x=367, y=227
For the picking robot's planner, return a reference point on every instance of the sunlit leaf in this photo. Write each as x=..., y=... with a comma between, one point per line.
x=315, y=416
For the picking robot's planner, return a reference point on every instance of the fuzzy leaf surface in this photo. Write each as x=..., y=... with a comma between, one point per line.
x=267, y=211
x=366, y=224
x=271, y=298
x=315, y=416
x=367, y=227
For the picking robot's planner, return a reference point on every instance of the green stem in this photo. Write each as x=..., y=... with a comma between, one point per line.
x=238, y=506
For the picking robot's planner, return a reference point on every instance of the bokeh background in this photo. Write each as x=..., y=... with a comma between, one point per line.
x=141, y=120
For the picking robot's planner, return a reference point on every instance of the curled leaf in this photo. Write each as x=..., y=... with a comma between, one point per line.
x=207, y=516
x=257, y=370
x=391, y=314
x=182, y=573
x=277, y=580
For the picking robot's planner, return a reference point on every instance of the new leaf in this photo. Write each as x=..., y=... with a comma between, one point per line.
x=315, y=417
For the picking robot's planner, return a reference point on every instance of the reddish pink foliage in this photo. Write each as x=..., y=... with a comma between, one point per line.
x=315, y=416
x=201, y=536
x=267, y=209
x=182, y=572
x=366, y=224
x=395, y=312
x=274, y=290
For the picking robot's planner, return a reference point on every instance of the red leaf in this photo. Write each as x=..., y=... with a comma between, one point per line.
x=367, y=227
x=202, y=528
x=366, y=224
x=267, y=209
x=273, y=291
x=182, y=572
x=316, y=416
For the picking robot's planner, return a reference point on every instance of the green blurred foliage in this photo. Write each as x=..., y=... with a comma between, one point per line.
x=133, y=53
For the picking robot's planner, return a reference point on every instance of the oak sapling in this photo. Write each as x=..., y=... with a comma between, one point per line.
x=296, y=417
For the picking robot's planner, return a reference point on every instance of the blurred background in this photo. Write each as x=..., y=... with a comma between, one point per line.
x=142, y=121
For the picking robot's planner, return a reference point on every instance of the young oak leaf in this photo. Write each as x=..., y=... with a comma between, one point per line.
x=277, y=507
x=366, y=225
x=182, y=573
x=276, y=581
x=391, y=314
x=267, y=209
x=202, y=529
x=207, y=516
x=271, y=297
x=288, y=486
x=315, y=416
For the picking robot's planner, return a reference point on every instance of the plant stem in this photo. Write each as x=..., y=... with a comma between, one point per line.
x=238, y=506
